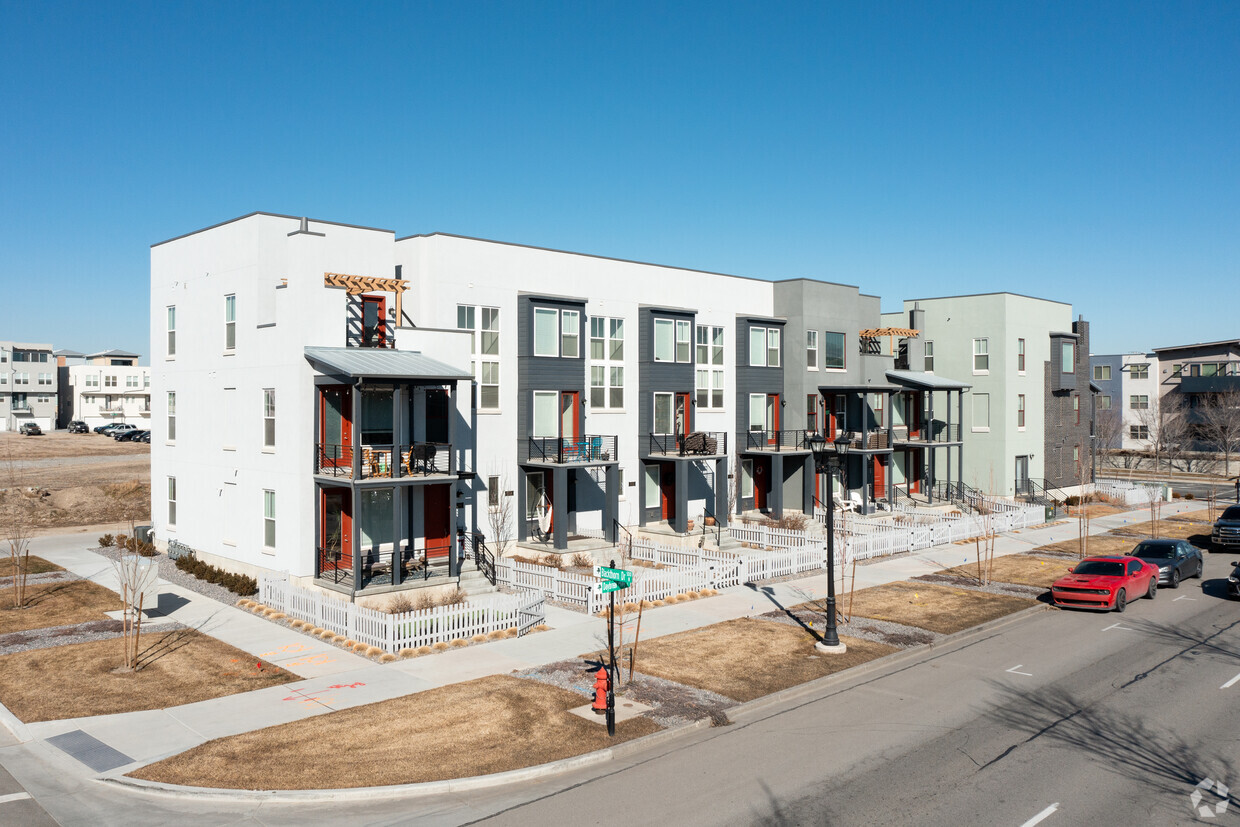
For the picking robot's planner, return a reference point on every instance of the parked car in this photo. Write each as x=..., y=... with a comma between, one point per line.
x=1175, y=559
x=121, y=428
x=129, y=436
x=146, y=437
x=1105, y=583
x=1226, y=531
x=105, y=429
x=1233, y=581
x=77, y=426
x=30, y=429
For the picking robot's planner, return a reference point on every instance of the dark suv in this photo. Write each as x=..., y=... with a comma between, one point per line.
x=1226, y=533
x=30, y=429
x=77, y=426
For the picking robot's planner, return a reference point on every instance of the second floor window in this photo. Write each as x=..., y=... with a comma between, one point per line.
x=1102, y=373
x=1104, y=403
x=709, y=386
x=1138, y=431
x=45, y=379
x=269, y=417
x=131, y=381
x=606, y=387
x=172, y=416
x=709, y=345
x=1069, y=357
x=811, y=349
x=557, y=332
x=764, y=347
x=92, y=381
x=1020, y=355
x=484, y=345
x=929, y=364
x=1139, y=402
x=673, y=340
x=833, y=350
x=172, y=331
x=1139, y=371
x=811, y=412
x=981, y=355
x=1020, y=410
x=230, y=322
x=109, y=381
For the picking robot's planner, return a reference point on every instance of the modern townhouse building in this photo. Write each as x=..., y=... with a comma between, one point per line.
x=359, y=410
x=1191, y=376
x=1127, y=397
x=1028, y=419
x=109, y=386
x=28, y=385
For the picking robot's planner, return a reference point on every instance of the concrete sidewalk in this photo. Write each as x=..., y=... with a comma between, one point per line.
x=336, y=679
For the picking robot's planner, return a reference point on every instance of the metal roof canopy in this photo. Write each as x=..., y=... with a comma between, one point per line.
x=926, y=381
x=876, y=388
x=382, y=363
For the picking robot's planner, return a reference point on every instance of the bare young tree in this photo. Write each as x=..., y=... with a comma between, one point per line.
x=1167, y=426
x=1219, y=424
x=1108, y=433
x=17, y=527
x=500, y=515
x=135, y=574
x=1083, y=478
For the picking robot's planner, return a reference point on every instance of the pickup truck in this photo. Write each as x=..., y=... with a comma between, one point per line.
x=1226, y=531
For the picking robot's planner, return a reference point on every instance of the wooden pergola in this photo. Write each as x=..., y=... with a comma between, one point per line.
x=890, y=332
x=357, y=285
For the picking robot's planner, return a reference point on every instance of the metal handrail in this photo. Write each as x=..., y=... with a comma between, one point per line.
x=790, y=440
x=589, y=448
x=693, y=444
x=628, y=546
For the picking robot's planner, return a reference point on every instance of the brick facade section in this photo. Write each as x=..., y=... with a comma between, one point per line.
x=1062, y=431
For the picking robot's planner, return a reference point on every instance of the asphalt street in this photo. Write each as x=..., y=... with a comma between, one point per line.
x=1066, y=717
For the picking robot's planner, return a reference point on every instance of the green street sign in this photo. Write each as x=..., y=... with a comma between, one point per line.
x=619, y=575
x=606, y=586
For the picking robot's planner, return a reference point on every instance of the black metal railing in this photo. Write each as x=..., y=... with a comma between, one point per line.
x=777, y=440
x=473, y=545
x=1038, y=492
x=589, y=448
x=934, y=432
x=626, y=545
x=378, y=461
x=698, y=443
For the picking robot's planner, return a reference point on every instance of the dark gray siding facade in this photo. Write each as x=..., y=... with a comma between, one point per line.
x=547, y=373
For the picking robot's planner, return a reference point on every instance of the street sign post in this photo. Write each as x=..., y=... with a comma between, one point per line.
x=619, y=575
x=606, y=586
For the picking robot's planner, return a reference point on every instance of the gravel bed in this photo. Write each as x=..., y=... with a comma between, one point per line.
x=994, y=587
x=45, y=577
x=168, y=571
x=880, y=631
x=674, y=704
x=32, y=639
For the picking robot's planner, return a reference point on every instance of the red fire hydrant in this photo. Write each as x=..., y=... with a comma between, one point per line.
x=600, y=692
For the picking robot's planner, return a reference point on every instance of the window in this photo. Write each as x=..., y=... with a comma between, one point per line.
x=4, y=378
x=1102, y=373
x=615, y=339
x=811, y=412
x=1104, y=403
x=684, y=341
x=21, y=356
x=109, y=381
x=146, y=380
x=545, y=322
x=172, y=331
x=488, y=387
x=92, y=381
x=981, y=355
x=269, y=518
x=490, y=331
x=172, y=416
x=1207, y=369
x=709, y=374
x=570, y=334
x=269, y=417
x=1139, y=371
x=493, y=492
x=1076, y=456
x=757, y=412
x=598, y=338
x=811, y=349
x=45, y=379
x=1020, y=410
x=929, y=367
x=1020, y=355
x=1139, y=431
x=1068, y=350
x=876, y=407
x=833, y=350
x=172, y=501
x=1076, y=408
x=764, y=347
x=664, y=341
x=981, y=411
x=21, y=378
x=1177, y=370
x=709, y=345
x=546, y=414
x=653, y=494
x=1139, y=402
x=465, y=321
x=747, y=478
x=663, y=417
x=131, y=381
x=709, y=387
x=485, y=365
x=230, y=322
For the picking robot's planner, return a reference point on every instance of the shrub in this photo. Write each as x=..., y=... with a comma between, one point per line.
x=582, y=559
x=399, y=604
x=107, y=541
x=459, y=642
x=479, y=638
x=1189, y=495
x=440, y=646
x=424, y=650
x=541, y=627
x=512, y=631
x=388, y=657
x=373, y=651
x=496, y=634
x=407, y=653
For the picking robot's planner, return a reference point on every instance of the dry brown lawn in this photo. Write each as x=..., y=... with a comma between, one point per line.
x=484, y=726
x=747, y=658
x=1097, y=545
x=34, y=565
x=1175, y=529
x=81, y=679
x=941, y=609
x=63, y=445
x=62, y=603
x=1021, y=569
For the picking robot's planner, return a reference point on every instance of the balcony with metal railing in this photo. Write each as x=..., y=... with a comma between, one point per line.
x=377, y=461
x=785, y=441
x=936, y=433
x=698, y=444
x=591, y=449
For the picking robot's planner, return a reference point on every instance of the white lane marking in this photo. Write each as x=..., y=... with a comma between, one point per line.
x=1184, y=597
x=1017, y=666
x=1117, y=626
x=1042, y=815
x=1231, y=683
x=5, y=799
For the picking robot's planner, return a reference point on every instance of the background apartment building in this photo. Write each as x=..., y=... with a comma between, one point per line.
x=28, y=385
x=1127, y=399
x=100, y=388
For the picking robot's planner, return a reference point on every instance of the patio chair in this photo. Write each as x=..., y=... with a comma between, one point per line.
x=843, y=504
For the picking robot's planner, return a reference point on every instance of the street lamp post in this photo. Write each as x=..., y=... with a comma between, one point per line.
x=826, y=455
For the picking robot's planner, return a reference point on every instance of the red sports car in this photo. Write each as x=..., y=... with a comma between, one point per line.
x=1105, y=583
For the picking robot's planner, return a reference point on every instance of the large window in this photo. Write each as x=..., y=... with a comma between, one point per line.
x=981, y=412
x=664, y=340
x=484, y=345
x=172, y=416
x=764, y=347
x=1020, y=411
x=833, y=350
x=1068, y=351
x=546, y=325
x=570, y=334
x=607, y=372
x=172, y=330
x=546, y=414
x=1020, y=355
x=981, y=355
x=172, y=501
x=131, y=381
x=757, y=412
x=1102, y=373
x=1104, y=403
x=709, y=386
x=709, y=345
x=230, y=322
x=45, y=379
x=709, y=376
x=269, y=417
x=1139, y=371
x=269, y=518
x=811, y=350
x=1139, y=402
x=929, y=363
x=664, y=422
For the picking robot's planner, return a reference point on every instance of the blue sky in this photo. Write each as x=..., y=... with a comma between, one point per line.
x=1077, y=151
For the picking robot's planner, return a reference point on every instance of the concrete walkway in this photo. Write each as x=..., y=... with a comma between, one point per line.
x=335, y=679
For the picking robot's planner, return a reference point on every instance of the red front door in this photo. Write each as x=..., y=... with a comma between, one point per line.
x=374, y=316
x=772, y=418
x=437, y=520
x=880, y=477
x=761, y=482
x=335, y=530
x=667, y=489
x=335, y=426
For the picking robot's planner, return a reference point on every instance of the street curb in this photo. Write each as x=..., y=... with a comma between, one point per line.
x=894, y=659
x=14, y=725
x=419, y=790
x=564, y=765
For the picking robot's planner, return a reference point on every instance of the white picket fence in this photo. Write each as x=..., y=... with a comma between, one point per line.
x=406, y=630
x=1127, y=492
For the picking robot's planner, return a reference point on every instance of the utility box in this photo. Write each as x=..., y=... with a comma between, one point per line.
x=142, y=533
